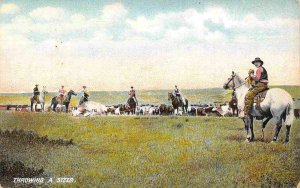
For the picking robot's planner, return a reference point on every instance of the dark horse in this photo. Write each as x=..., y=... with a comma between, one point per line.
x=233, y=105
x=178, y=103
x=66, y=102
x=131, y=105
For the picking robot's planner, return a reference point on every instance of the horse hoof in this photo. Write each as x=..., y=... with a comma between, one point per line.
x=286, y=142
x=274, y=141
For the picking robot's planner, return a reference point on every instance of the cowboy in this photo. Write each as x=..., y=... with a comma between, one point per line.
x=260, y=84
x=132, y=94
x=61, y=94
x=85, y=96
x=36, y=93
x=178, y=94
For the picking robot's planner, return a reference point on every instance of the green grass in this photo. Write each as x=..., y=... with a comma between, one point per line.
x=156, y=151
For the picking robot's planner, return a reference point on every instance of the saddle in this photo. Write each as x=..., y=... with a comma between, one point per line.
x=260, y=96
x=258, y=99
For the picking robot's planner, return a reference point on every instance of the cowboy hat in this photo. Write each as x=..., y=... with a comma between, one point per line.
x=36, y=84
x=258, y=60
x=83, y=86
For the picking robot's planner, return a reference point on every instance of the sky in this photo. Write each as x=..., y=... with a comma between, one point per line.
x=112, y=45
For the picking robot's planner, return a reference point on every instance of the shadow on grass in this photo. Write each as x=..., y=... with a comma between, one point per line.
x=237, y=138
x=28, y=137
x=10, y=170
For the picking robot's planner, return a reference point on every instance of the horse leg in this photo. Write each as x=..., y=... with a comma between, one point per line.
x=287, y=137
x=248, y=126
x=251, y=128
x=278, y=122
x=54, y=107
x=31, y=106
x=67, y=107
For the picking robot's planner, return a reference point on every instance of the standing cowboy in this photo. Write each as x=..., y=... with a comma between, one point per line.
x=61, y=94
x=36, y=93
x=132, y=94
x=178, y=94
x=85, y=96
x=260, y=84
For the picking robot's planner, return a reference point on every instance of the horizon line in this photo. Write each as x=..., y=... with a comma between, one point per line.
x=23, y=92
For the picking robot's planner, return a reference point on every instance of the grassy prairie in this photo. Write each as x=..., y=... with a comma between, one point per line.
x=153, y=151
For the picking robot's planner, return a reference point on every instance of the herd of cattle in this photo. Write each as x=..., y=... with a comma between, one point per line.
x=91, y=108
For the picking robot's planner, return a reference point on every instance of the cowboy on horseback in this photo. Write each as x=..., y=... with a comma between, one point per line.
x=259, y=83
x=36, y=93
x=132, y=94
x=61, y=94
x=178, y=94
x=85, y=96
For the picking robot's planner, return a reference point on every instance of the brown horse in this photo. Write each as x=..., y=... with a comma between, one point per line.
x=178, y=103
x=131, y=105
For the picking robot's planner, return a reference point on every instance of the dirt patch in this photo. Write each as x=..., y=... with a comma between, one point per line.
x=29, y=137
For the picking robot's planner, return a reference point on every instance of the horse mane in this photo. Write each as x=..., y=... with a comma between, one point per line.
x=238, y=79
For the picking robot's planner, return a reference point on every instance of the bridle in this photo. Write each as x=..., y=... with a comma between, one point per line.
x=231, y=79
x=233, y=83
x=171, y=96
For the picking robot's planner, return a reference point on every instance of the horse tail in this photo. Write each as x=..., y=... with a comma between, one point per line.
x=289, y=114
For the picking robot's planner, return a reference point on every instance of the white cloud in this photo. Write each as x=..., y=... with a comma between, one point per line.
x=78, y=18
x=113, y=13
x=9, y=8
x=47, y=13
x=144, y=25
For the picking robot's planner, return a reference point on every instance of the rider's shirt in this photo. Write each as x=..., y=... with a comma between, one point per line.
x=85, y=93
x=132, y=91
x=61, y=92
x=36, y=91
x=261, y=75
x=177, y=92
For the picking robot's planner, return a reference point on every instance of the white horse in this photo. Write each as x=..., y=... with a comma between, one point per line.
x=278, y=104
x=41, y=99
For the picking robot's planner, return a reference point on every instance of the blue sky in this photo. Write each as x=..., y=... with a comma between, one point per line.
x=262, y=8
x=195, y=43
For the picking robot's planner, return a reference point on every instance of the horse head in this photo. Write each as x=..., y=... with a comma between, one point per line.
x=71, y=92
x=170, y=96
x=233, y=81
x=44, y=90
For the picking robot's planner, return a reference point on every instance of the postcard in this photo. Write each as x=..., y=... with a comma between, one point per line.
x=143, y=93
